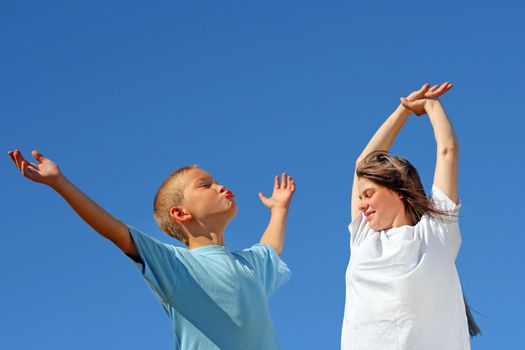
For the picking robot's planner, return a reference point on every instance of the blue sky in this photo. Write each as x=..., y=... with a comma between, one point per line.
x=122, y=93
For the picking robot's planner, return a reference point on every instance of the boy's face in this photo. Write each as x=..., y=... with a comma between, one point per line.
x=206, y=200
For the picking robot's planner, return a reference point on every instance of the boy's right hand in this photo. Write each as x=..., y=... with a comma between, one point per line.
x=45, y=171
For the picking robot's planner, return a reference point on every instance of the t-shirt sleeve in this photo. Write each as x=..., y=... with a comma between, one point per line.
x=359, y=229
x=442, y=202
x=445, y=227
x=267, y=265
x=158, y=264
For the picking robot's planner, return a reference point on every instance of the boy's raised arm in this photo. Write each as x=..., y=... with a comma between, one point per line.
x=278, y=204
x=46, y=171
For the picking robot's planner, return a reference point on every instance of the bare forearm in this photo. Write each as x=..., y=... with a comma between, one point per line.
x=387, y=132
x=276, y=229
x=96, y=216
x=443, y=131
x=447, y=157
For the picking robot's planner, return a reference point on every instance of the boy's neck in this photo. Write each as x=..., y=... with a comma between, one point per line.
x=201, y=240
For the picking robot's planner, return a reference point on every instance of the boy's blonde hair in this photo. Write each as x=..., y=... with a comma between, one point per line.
x=171, y=194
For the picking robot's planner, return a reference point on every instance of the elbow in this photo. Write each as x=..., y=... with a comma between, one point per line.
x=449, y=150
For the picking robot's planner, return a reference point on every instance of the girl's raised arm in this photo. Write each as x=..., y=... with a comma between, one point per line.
x=381, y=141
x=446, y=172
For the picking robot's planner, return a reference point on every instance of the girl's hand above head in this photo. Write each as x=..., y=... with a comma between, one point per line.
x=45, y=171
x=417, y=101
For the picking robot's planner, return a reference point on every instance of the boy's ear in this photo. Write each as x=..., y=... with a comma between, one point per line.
x=179, y=214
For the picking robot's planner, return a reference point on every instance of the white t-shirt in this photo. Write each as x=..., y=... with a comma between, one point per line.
x=402, y=287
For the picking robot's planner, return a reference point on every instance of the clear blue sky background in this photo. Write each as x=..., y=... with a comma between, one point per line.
x=121, y=93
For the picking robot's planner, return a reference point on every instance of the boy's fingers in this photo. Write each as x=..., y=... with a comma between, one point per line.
x=38, y=156
x=292, y=185
x=18, y=159
x=283, y=181
x=32, y=167
x=12, y=156
x=24, y=168
x=263, y=198
x=276, y=182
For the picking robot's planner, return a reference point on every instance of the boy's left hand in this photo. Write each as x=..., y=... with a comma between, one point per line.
x=283, y=191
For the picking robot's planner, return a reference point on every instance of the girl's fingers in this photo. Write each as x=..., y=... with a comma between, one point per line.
x=444, y=88
x=408, y=104
x=433, y=89
x=292, y=185
x=276, y=182
x=423, y=90
x=283, y=182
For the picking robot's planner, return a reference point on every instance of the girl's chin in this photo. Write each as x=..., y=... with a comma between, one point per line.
x=376, y=227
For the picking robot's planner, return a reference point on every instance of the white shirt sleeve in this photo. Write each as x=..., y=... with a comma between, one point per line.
x=442, y=230
x=359, y=230
x=442, y=202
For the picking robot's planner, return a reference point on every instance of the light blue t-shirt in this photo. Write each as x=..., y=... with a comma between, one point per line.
x=215, y=299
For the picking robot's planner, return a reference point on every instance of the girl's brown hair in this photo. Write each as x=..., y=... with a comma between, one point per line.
x=400, y=176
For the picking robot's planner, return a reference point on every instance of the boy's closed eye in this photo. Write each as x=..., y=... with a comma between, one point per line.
x=206, y=183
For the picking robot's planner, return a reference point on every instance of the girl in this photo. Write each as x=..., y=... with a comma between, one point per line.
x=402, y=287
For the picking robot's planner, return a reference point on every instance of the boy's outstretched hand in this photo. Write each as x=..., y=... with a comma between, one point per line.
x=278, y=203
x=283, y=190
x=417, y=100
x=45, y=171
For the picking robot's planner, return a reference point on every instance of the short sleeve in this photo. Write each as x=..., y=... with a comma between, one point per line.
x=442, y=202
x=359, y=229
x=445, y=227
x=267, y=265
x=158, y=264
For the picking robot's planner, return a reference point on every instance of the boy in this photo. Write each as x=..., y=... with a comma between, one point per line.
x=215, y=299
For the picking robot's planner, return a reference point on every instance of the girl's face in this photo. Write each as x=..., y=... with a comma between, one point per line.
x=382, y=207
